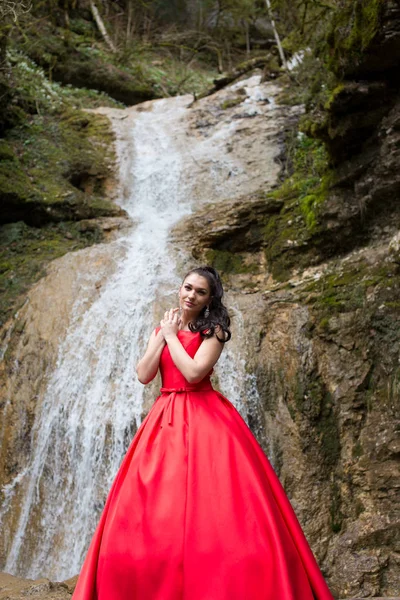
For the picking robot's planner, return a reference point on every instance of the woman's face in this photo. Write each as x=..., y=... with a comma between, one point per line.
x=194, y=294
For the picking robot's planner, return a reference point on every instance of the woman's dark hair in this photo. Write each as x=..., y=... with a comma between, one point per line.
x=218, y=315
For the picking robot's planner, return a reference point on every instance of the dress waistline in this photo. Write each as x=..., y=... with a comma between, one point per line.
x=169, y=406
x=188, y=388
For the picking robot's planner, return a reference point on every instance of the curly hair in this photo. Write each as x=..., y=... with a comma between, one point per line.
x=218, y=318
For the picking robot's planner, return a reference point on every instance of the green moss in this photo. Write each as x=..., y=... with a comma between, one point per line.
x=335, y=508
x=231, y=102
x=135, y=73
x=74, y=59
x=353, y=29
x=230, y=262
x=394, y=305
x=15, y=185
x=25, y=251
x=338, y=89
x=61, y=168
x=288, y=235
x=357, y=451
x=6, y=151
x=359, y=507
x=53, y=170
x=310, y=204
x=317, y=403
x=346, y=291
x=323, y=325
x=313, y=402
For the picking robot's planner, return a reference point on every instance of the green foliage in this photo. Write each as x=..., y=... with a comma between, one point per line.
x=303, y=191
x=168, y=74
x=306, y=18
x=52, y=169
x=34, y=93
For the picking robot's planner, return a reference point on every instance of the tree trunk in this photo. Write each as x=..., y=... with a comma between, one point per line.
x=276, y=34
x=246, y=26
x=101, y=26
x=129, y=23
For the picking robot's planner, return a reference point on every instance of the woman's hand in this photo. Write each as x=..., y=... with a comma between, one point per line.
x=170, y=323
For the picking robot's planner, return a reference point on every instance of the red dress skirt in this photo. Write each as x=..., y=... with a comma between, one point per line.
x=196, y=511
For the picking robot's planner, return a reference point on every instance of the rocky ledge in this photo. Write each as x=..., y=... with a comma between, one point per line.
x=15, y=588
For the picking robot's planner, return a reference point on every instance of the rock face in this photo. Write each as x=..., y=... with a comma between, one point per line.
x=320, y=301
x=31, y=349
x=324, y=348
x=14, y=588
x=360, y=126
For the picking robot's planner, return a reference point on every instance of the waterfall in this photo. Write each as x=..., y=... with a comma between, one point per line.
x=93, y=402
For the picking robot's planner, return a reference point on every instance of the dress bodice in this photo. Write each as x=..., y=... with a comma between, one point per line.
x=171, y=376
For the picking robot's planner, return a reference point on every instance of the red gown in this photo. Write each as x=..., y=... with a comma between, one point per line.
x=196, y=511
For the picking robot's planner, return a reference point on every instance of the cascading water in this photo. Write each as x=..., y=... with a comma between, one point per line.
x=93, y=401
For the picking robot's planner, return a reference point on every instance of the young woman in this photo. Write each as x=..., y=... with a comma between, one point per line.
x=196, y=511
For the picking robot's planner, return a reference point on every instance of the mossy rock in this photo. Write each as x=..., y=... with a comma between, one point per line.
x=231, y=263
x=16, y=191
x=231, y=102
x=353, y=30
x=25, y=251
x=73, y=59
x=115, y=82
x=7, y=151
x=59, y=166
x=294, y=237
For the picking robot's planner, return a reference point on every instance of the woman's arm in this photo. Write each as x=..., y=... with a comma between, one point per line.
x=147, y=366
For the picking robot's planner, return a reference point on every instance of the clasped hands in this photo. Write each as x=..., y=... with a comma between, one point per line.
x=170, y=323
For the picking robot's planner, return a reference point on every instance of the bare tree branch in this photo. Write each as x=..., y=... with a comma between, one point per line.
x=276, y=34
x=101, y=26
x=14, y=8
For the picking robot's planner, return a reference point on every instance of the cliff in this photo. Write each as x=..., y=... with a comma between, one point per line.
x=314, y=266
